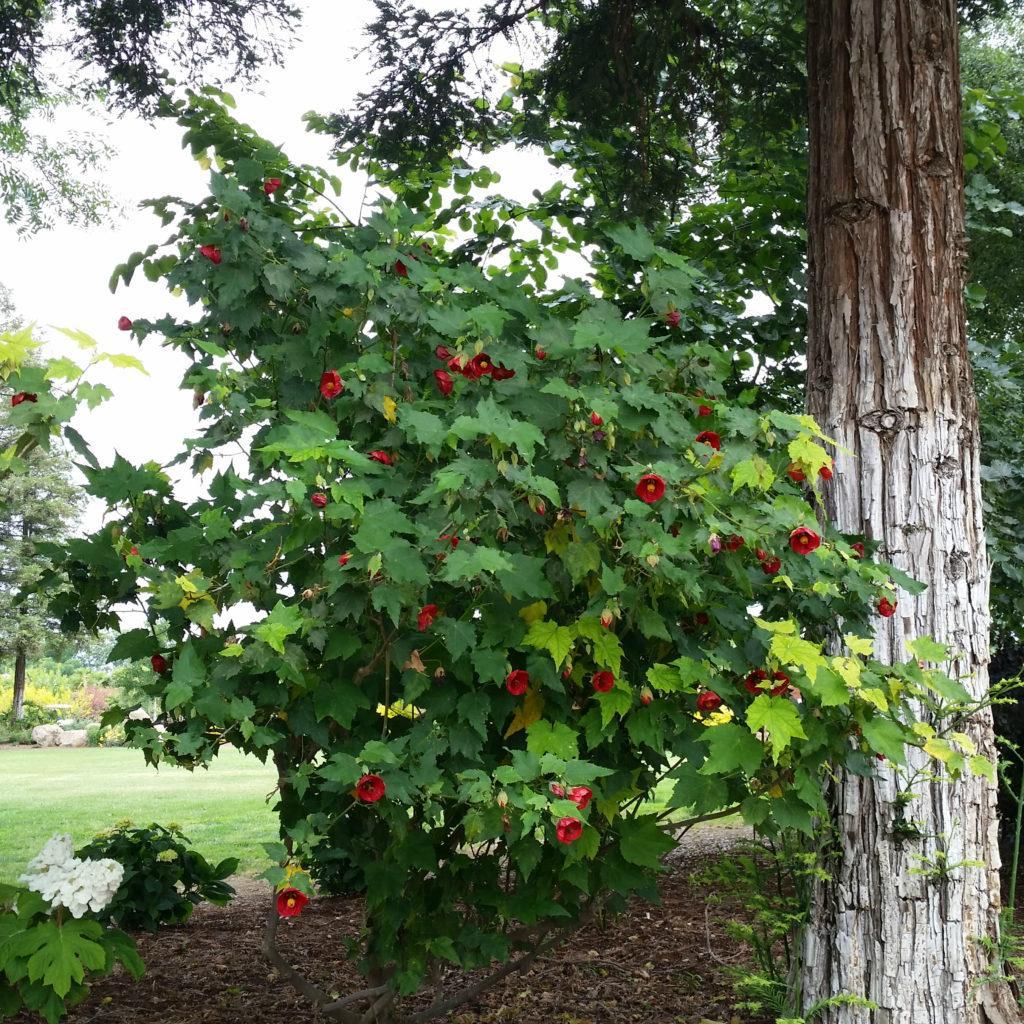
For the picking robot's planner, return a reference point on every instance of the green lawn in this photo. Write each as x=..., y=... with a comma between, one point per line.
x=45, y=791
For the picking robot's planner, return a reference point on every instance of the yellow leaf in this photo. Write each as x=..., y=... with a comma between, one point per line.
x=939, y=749
x=859, y=644
x=874, y=696
x=527, y=713
x=390, y=409
x=848, y=669
x=785, y=626
x=532, y=612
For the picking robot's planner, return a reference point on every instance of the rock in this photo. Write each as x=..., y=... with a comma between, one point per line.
x=73, y=738
x=47, y=735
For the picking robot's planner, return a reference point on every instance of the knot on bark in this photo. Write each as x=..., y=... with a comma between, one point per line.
x=883, y=421
x=938, y=165
x=853, y=210
x=956, y=565
x=947, y=467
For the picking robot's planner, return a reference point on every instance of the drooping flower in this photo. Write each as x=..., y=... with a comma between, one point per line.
x=426, y=617
x=708, y=700
x=502, y=372
x=607, y=618
x=382, y=457
x=124, y=324
x=705, y=410
x=271, y=185
x=444, y=382
x=715, y=543
x=771, y=565
x=159, y=663
x=540, y=353
x=709, y=437
x=24, y=396
x=673, y=317
x=603, y=681
x=646, y=696
x=595, y=419
x=370, y=788
x=331, y=384
x=754, y=679
x=211, y=252
x=344, y=559
x=825, y=472
x=887, y=608
x=581, y=796
x=291, y=902
x=804, y=540
x=319, y=500
x=650, y=488
x=734, y=542
x=858, y=547
x=518, y=682
x=795, y=473
x=401, y=269
x=557, y=790
x=479, y=366
x=568, y=830
x=782, y=680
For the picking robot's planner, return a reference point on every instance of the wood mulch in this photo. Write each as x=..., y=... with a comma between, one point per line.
x=654, y=965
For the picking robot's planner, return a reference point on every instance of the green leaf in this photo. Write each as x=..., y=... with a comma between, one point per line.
x=730, y=746
x=926, y=649
x=187, y=676
x=552, y=738
x=424, y=426
x=281, y=623
x=779, y=718
x=885, y=737
x=61, y=954
x=642, y=842
x=634, y=241
x=754, y=473
x=549, y=636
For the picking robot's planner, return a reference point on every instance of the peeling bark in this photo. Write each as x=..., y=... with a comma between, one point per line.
x=889, y=378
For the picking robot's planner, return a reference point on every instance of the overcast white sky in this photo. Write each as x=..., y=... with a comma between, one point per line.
x=60, y=276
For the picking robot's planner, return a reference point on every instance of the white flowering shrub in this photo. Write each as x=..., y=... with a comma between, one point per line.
x=50, y=944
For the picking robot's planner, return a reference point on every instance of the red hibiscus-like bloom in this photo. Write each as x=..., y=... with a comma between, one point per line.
x=518, y=682
x=804, y=540
x=124, y=324
x=858, y=548
x=705, y=410
x=887, y=608
x=568, y=830
x=331, y=384
x=650, y=488
x=825, y=472
x=581, y=796
x=753, y=679
x=344, y=559
x=795, y=473
x=442, y=353
x=708, y=701
x=382, y=457
x=479, y=366
x=426, y=617
x=734, y=543
x=540, y=353
x=24, y=396
x=319, y=500
x=455, y=364
x=602, y=681
x=211, y=252
x=401, y=269
x=595, y=419
x=771, y=565
x=783, y=680
x=370, y=788
x=557, y=790
x=159, y=663
x=673, y=318
x=709, y=437
x=290, y=902
x=271, y=185
x=502, y=372
x=444, y=382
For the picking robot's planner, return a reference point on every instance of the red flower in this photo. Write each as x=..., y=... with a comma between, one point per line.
x=479, y=366
x=502, y=372
x=804, y=540
x=595, y=419
x=760, y=554
x=455, y=364
x=442, y=353
x=709, y=701
x=603, y=681
x=444, y=382
x=825, y=472
x=734, y=543
x=451, y=538
x=795, y=473
x=702, y=618
x=858, y=548
x=646, y=696
x=540, y=353
x=159, y=663
x=517, y=682
x=567, y=671
x=541, y=509
x=124, y=324
x=581, y=796
x=607, y=619
x=771, y=565
x=425, y=619
x=382, y=457
x=783, y=680
x=887, y=608
x=331, y=384
x=705, y=410
x=709, y=437
x=650, y=488
x=557, y=790
x=319, y=500
x=344, y=559
x=134, y=550
x=290, y=902
x=24, y=396
x=271, y=185
x=673, y=318
x=401, y=269
x=370, y=788
x=211, y=252
x=753, y=679
x=568, y=830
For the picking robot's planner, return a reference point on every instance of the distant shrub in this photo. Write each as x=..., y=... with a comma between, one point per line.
x=164, y=879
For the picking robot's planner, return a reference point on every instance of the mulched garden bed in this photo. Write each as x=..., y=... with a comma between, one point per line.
x=650, y=966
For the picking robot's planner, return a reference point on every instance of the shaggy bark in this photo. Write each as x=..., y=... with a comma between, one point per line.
x=889, y=379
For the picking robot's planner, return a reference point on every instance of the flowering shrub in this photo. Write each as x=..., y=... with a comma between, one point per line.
x=164, y=879
x=481, y=562
x=50, y=941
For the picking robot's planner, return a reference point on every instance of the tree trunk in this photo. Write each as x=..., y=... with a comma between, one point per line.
x=18, y=699
x=889, y=379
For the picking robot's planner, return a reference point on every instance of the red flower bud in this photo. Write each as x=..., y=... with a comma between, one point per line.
x=825, y=472
x=518, y=682
x=24, y=396
x=344, y=559
x=211, y=252
x=401, y=269
x=646, y=696
x=382, y=457
x=602, y=681
x=858, y=549
x=271, y=185
x=557, y=790
x=502, y=372
x=540, y=353
x=734, y=543
x=673, y=318
x=425, y=619
x=124, y=324
x=705, y=410
x=370, y=788
x=444, y=382
x=887, y=608
x=319, y=500
x=708, y=701
x=795, y=473
x=760, y=554
x=442, y=353
x=607, y=618
x=709, y=437
x=159, y=663
x=595, y=419
x=771, y=565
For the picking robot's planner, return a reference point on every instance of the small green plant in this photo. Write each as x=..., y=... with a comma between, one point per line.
x=164, y=878
x=52, y=943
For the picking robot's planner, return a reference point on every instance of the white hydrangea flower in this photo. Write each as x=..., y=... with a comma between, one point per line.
x=65, y=881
